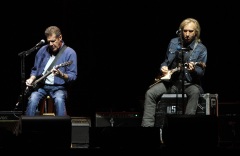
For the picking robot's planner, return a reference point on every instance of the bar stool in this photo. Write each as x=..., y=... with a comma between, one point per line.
x=46, y=106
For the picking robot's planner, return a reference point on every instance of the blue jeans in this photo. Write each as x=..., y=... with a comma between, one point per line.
x=58, y=93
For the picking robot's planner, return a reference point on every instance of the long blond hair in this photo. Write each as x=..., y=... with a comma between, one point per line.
x=197, y=27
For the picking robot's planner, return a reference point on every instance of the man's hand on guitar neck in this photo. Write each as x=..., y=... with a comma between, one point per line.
x=57, y=72
x=190, y=66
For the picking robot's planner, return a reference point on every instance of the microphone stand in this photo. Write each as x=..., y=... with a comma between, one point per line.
x=23, y=55
x=182, y=70
x=183, y=88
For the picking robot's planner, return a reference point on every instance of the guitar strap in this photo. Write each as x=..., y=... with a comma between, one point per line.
x=57, y=56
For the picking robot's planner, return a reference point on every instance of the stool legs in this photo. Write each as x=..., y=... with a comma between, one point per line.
x=46, y=106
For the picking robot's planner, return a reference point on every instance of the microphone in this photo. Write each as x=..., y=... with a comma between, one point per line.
x=40, y=43
x=183, y=49
x=37, y=46
x=178, y=31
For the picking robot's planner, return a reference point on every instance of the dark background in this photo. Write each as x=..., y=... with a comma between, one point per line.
x=120, y=46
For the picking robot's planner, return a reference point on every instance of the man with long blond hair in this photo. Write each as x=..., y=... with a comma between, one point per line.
x=187, y=57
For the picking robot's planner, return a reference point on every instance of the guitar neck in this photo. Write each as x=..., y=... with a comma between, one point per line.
x=43, y=77
x=174, y=70
x=201, y=64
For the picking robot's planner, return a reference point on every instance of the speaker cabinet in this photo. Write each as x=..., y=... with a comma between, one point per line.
x=45, y=131
x=229, y=130
x=9, y=121
x=80, y=130
x=183, y=131
x=118, y=119
x=8, y=132
x=124, y=137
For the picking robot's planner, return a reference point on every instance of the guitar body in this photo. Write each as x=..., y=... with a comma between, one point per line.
x=167, y=77
x=40, y=81
x=160, y=77
x=35, y=85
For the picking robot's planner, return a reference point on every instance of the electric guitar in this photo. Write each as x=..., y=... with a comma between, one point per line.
x=167, y=77
x=35, y=84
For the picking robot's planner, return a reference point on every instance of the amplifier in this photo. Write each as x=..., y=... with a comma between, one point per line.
x=207, y=104
x=118, y=119
x=10, y=115
x=80, y=130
